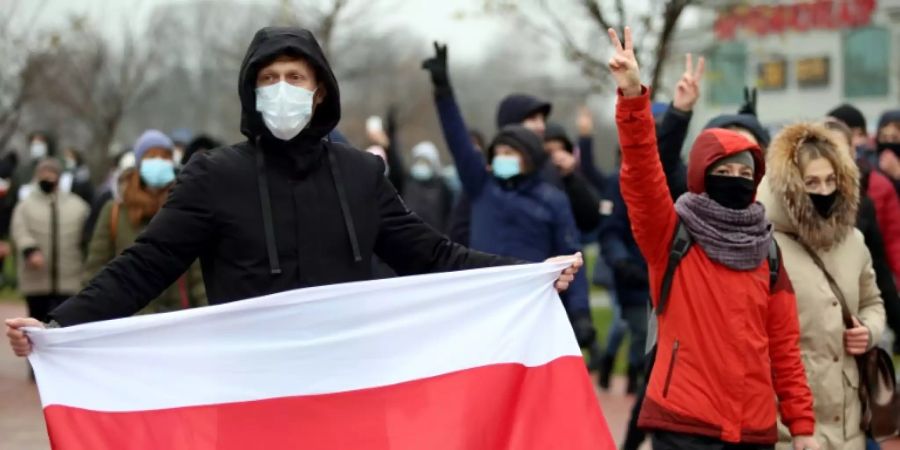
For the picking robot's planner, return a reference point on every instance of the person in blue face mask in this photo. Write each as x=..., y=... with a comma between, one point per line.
x=515, y=212
x=146, y=188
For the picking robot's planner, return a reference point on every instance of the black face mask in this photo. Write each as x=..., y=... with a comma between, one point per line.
x=730, y=192
x=892, y=146
x=823, y=203
x=47, y=186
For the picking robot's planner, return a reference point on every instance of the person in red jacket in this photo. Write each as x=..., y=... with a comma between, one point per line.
x=727, y=346
x=876, y=185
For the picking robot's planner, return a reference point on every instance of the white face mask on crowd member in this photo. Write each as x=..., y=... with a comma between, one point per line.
x=286, y=109
x=38, y=149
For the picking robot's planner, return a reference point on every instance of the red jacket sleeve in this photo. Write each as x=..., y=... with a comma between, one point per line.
x=643, y=183
x=887, y=213
x=795, y=400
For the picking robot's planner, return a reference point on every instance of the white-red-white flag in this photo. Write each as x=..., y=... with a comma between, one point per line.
x=475, y=360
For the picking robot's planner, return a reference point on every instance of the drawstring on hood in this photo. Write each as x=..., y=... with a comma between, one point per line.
x=307, y=148
x=345, y=207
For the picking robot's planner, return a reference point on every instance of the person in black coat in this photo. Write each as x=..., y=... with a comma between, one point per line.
x=285, y=209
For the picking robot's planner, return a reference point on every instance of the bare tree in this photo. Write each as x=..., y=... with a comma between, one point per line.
x=17, y=72
x=580, y=33
x=83, y=73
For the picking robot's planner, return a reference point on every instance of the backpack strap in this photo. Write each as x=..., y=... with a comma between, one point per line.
x=774, y=264
x=681, y=243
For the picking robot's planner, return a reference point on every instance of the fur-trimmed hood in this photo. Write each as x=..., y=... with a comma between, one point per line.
x=783, y=192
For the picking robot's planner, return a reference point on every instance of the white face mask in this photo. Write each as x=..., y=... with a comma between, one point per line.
x=285, y=109
x=38, y=150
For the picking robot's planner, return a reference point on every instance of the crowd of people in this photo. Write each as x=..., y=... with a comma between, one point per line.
x=730, y=272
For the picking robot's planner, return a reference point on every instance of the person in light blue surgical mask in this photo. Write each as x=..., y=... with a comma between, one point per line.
x=426, y=191
x=144, y=191
x=515, y=211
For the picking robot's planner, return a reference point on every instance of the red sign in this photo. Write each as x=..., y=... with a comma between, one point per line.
x=798, y=17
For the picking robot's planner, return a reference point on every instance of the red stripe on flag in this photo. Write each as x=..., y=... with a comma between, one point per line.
x=505, y=406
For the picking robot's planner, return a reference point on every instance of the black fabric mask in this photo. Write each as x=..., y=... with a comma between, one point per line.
x=823, y=203
x=892, y=146
x=731, y=192
x=47, y=186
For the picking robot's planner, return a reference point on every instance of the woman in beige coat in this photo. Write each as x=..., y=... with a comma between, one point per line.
x=811, y=196
x=46, y=230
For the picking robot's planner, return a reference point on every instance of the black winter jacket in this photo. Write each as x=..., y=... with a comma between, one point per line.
x=267, y=216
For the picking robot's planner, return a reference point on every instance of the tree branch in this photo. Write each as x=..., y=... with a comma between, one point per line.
x=671, y=14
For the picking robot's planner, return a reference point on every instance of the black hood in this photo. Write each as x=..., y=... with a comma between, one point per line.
x=268, y=44
x=516, y=108
x=523, y=140
x=556, y=132
x=748, y=122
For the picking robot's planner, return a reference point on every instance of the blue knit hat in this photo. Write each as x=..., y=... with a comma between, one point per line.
x=151, y=139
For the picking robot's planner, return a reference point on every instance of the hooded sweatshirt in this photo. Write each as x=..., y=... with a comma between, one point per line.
x=727, y=345
x=266, y=216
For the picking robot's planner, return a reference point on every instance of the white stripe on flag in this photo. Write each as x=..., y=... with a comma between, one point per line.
x=311, y=341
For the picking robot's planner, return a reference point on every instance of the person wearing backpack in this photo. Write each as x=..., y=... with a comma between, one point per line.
x=727, y=339
x=120, y=221
x=812, y=194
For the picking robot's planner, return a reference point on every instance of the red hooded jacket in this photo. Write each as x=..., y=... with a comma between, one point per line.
x=727, y=346
x=887, y=213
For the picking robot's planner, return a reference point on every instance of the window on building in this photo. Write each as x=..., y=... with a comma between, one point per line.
x=726, y=74
x=866, y=59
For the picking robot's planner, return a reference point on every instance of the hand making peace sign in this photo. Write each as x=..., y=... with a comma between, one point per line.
x=688, y=89
x=624, y=65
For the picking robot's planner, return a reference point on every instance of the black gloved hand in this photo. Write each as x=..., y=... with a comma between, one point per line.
x=629, y=274
x=585, y=333
x=437, y=67
x=749, y=106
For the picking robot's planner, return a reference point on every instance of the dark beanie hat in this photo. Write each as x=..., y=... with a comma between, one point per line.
x=515, y=108
x=556, y=132
x=850, y=115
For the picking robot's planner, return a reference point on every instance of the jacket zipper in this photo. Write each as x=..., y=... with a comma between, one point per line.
x=671, y=368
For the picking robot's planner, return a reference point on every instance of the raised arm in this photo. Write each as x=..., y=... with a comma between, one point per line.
x=470, y=163
x=587, y=164
x=175, y=237
x=673, y=128
x=642, y=180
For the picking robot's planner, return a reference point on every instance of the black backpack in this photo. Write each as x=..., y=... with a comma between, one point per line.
x=681, y=244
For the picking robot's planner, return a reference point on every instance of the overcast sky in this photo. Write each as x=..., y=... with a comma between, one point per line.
x=435, y=20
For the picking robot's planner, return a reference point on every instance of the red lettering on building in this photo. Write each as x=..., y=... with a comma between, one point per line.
x=800, y=17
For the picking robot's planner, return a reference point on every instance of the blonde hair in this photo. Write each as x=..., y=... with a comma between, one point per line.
x=809, y=150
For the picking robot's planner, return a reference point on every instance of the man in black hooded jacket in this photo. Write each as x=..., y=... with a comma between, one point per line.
x=272, y=214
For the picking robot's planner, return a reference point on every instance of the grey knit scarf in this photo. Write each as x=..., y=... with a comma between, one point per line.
x=736, y=238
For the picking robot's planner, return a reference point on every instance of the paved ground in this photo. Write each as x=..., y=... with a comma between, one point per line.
x=22, y=425
x=21, y=422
